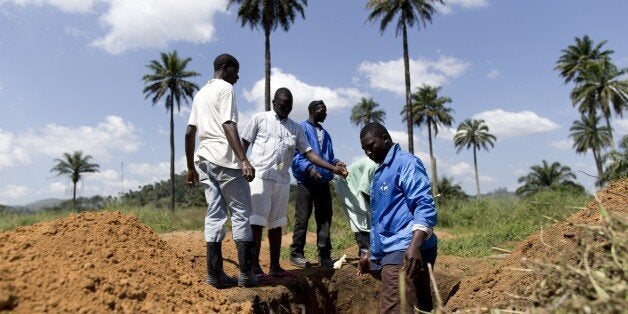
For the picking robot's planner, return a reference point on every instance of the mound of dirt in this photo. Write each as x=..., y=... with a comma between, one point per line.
x=100, y=262
x=507, y=285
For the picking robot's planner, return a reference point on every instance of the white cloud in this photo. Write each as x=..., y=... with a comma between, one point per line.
x=459, y=169
x=493, y=74
x=504, y=124
x=466, y=4
x=69, y=6
x=114, y=134
x=303, y=94
x=388, y=75
x=135, y=24
x=12, y=192
x=562, y=145
x=58, y=187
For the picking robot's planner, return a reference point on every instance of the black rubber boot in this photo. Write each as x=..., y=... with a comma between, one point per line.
x=363, y=239
x=215, y=274
x=245, y=259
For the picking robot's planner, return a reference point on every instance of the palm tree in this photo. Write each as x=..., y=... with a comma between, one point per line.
x=429, y=109
x=576, y=56
x=587, y=135
x=474, y=133
x=600, y=87
x=408, y=13
x=616, y=164
x=74, y=166
x=168, y=78
x=366, y=111
x=268, y=14
x=546, y=176
x=450, y=189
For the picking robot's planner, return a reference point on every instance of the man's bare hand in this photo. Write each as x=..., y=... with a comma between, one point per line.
x=413, y=262
x=248, y=172
x=192, y=177
x=341, y=164
x=363, y=265
x=341, y=171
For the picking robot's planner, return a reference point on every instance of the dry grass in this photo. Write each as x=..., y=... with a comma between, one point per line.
x=593, y=280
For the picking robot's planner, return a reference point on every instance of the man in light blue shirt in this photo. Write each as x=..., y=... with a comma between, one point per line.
x=403, y=216
x=354, y=194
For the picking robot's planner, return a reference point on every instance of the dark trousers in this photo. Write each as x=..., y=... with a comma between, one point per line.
x=418, y=292
x=319, y=197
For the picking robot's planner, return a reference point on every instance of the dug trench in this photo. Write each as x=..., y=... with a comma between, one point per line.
x=101, y=262
x=313, y=289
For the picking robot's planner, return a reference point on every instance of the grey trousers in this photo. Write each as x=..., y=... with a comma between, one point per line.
x=225, y=190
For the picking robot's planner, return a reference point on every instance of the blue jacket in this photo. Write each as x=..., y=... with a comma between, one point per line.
x=301, y=166
x=400, y=198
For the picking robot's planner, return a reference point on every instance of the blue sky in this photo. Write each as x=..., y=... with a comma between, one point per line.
x=70, y=79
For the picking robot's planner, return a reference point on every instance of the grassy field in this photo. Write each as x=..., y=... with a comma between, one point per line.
x=474, y=225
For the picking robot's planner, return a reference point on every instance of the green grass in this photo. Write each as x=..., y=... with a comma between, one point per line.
x=476, y=225
x=11, y=220
x=159, y=220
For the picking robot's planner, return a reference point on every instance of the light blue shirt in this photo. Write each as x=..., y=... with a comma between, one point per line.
x=400, y=199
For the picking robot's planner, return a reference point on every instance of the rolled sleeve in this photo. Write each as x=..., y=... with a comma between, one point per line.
x=250, y=131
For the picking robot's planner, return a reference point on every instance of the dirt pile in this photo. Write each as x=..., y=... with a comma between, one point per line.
x=99, y=262
x=508, y=285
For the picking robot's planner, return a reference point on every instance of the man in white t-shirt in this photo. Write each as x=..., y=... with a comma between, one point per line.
x=274, y=138
x=224, y=170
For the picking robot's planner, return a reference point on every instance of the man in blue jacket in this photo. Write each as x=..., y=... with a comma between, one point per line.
x=403, y=216
x=313, y=190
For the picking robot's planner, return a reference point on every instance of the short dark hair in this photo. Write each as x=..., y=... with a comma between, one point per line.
x=314, y=104
x=225, y=59
x=374, y=128
x=282, y=92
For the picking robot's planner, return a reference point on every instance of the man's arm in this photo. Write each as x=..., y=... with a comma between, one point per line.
x=416, y=188
x=245, y=145
x=190, y=142
x=231, y=132
x=317, y=160
x=412, y=259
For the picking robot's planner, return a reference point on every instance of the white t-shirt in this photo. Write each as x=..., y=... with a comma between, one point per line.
x=273, y=144
x=214, y=105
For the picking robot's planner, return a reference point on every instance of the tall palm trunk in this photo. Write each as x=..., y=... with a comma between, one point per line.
x=596, y=145
x=432, y=160
x=608, y=122
x=171, y=155
x=598, y=159
x=610, y=131
x=267, y=70
x=406, y=67
x=475, y=164
x=74, y=195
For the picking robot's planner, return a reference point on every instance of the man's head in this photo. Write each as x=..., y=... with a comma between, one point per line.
x=282, y=102
x=375, y=141
x=317, y=110
x=226, y=67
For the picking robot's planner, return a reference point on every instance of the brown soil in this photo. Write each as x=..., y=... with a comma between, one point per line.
x=104, y=262
x=502, y=286
x=100, y=262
